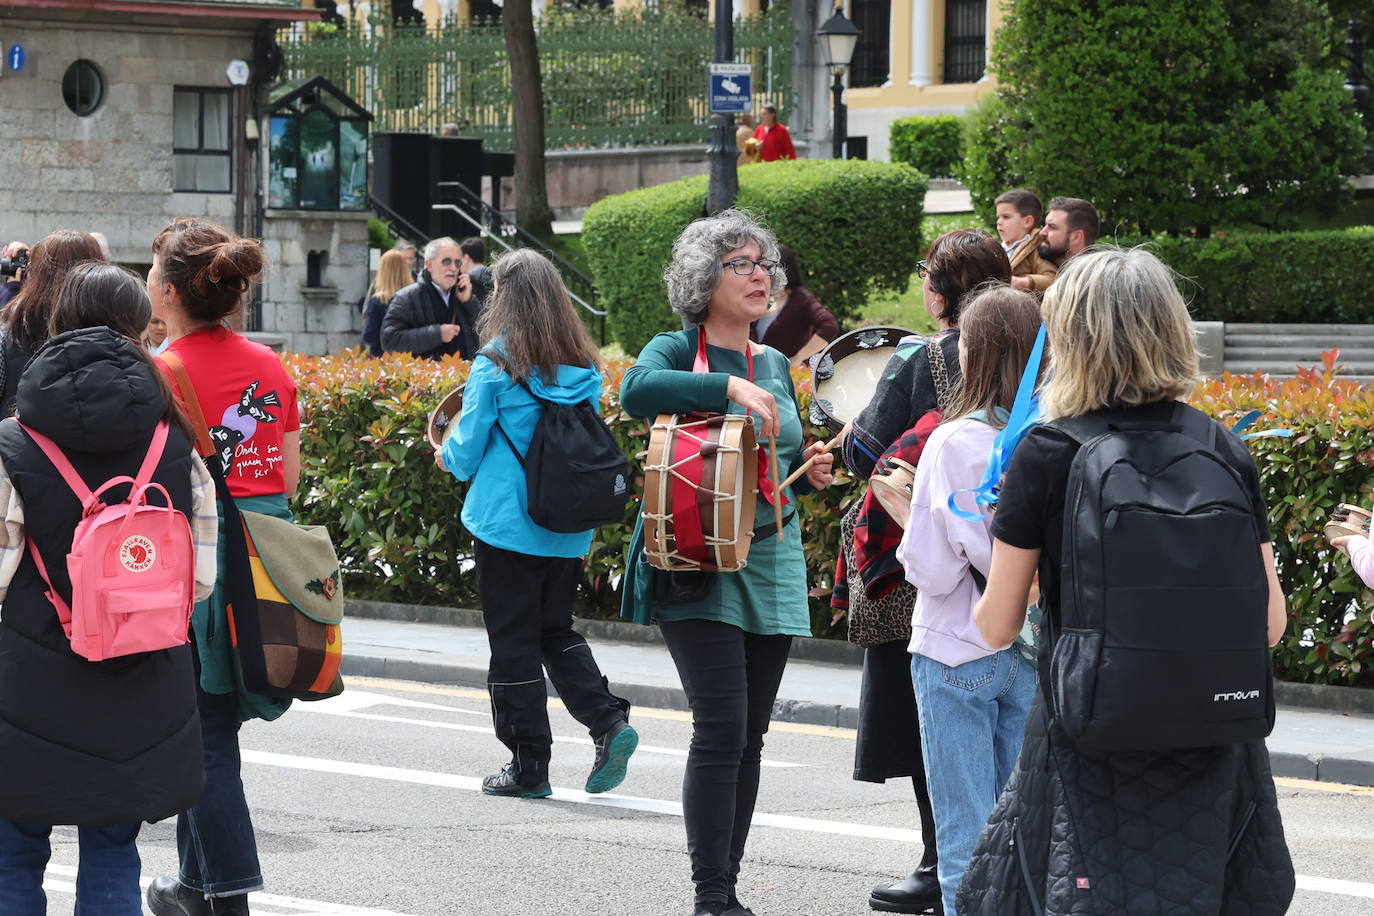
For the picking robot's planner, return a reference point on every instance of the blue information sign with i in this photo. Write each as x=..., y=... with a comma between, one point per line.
x=15, y=57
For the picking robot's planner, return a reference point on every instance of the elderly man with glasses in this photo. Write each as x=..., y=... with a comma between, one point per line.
x=436, y=316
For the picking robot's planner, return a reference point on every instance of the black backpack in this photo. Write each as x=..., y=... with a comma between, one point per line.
x=1162, y=642
x=576, y=475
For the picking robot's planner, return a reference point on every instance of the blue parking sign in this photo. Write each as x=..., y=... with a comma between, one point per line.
x=731, y=88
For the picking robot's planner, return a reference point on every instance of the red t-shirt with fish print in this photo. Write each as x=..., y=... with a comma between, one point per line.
x=249, y=402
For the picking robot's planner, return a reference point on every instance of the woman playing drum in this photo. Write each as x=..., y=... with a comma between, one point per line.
x=889, y=743
x=729, y=640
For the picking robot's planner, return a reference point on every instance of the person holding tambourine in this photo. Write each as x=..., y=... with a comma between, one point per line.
x=729, y=636
x=889, y=740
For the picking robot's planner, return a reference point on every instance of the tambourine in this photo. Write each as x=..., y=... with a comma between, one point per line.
x=891, y=486
x=444, y=418
x=845, y=375
x=1347, y=520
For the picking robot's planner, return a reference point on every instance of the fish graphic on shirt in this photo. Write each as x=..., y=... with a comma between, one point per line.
x=240, y=421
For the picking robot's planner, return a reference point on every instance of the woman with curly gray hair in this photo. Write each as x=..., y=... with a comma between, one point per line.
x=730, y=634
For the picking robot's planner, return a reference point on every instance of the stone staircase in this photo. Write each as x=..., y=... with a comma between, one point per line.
x=1279, y=349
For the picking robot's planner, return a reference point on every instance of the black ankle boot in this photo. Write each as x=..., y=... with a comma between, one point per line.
x=919, y=892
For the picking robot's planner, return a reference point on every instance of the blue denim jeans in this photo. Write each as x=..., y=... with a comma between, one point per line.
x=973, y=717
x=219, y=855
x=106, y=876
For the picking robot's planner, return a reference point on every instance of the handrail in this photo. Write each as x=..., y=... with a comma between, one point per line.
x=413, y=233
x=498, y=224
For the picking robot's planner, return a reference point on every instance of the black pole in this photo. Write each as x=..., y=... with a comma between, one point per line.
x=724, y=181
x=841, y=128
x=1355, y=81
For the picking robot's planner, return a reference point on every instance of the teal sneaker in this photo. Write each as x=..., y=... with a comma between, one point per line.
x=613, y=751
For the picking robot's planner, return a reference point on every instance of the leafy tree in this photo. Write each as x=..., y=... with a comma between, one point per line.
x=1170, y=116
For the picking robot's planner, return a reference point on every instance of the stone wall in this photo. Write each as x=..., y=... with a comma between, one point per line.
x=112, y=170
x=314, y=319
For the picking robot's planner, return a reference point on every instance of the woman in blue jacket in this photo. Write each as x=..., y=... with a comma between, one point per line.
x=527, y=574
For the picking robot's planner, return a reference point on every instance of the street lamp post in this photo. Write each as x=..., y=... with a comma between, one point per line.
x=724, y=180
x=838, y=37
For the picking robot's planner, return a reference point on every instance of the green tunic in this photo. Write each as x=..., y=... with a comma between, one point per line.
x=768, y=596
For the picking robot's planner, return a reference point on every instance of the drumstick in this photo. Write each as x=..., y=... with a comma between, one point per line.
x=806, y=465
x=777, y=489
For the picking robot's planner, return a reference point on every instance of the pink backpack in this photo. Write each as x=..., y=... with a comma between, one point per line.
x=132, y=564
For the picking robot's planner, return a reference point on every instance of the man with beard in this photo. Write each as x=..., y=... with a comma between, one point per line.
x=1071, y=225
x=435, y=316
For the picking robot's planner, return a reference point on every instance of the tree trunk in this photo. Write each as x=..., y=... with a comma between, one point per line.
x=527, y=90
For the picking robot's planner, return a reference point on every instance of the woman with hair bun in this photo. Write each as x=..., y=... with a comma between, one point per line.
x=25, y=326
x=201, y=273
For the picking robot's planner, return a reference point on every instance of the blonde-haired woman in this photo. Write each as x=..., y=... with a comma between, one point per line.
x=536, y=350
x=1188, y=831
x=393, y=275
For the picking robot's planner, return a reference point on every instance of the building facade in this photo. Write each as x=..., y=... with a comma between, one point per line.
x=916, y=57
x=119, y=115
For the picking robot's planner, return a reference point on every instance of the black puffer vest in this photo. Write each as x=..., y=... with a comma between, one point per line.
x=88, y=742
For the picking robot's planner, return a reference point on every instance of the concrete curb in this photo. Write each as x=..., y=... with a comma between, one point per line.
x=475, y=676
x=831, y=651
x=1315, y=767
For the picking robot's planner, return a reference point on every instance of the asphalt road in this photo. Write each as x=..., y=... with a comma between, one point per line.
x=370, y=805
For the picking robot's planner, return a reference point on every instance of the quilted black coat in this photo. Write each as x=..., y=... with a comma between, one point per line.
x=86, y=742
x=1186, y=832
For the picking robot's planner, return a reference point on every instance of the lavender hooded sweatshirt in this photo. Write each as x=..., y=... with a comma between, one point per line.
x=939, y=546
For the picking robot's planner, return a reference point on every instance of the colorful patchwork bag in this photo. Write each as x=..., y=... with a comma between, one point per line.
x=282, y=580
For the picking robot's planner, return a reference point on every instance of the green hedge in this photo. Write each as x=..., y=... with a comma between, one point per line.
x=855, y=226
x=933, y=145
x=1288, y=277
x=370, y=477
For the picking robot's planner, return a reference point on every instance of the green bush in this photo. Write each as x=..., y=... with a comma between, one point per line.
x=1294, y=277
x=1170, y=116
x=855, y=226
x=931, y=145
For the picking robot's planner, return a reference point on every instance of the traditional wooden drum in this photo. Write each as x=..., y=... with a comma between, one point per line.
x=444, y=418
x=845, y=375
x=891, y=487
x=700, y=488
x=1347, y=519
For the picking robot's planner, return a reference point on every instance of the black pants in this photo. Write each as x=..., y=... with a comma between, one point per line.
x=731, y=679
x=527, y=604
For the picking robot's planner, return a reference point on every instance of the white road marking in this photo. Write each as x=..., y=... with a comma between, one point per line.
x=1336, y=886
x=666, y=808
x=265, y=904
x=332, y=707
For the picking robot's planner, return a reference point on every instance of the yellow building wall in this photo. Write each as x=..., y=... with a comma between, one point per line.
x=899, y=91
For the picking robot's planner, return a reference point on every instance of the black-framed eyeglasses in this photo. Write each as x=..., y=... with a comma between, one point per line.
x=922, y=269
x=744, y=267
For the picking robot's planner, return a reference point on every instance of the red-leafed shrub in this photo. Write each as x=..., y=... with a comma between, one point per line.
x=370, y=476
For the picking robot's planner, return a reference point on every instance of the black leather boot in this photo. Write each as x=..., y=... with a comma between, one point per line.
x=169, y=897
x=919, y=892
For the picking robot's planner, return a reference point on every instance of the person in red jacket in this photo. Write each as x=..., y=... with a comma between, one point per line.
x=777, y=142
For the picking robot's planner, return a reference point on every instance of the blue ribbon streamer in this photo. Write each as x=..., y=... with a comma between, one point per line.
x=1245, y=421
x=1251, y=417
x=1025, y=413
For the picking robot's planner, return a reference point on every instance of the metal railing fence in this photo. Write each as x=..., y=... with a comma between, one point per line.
x=610, y=79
